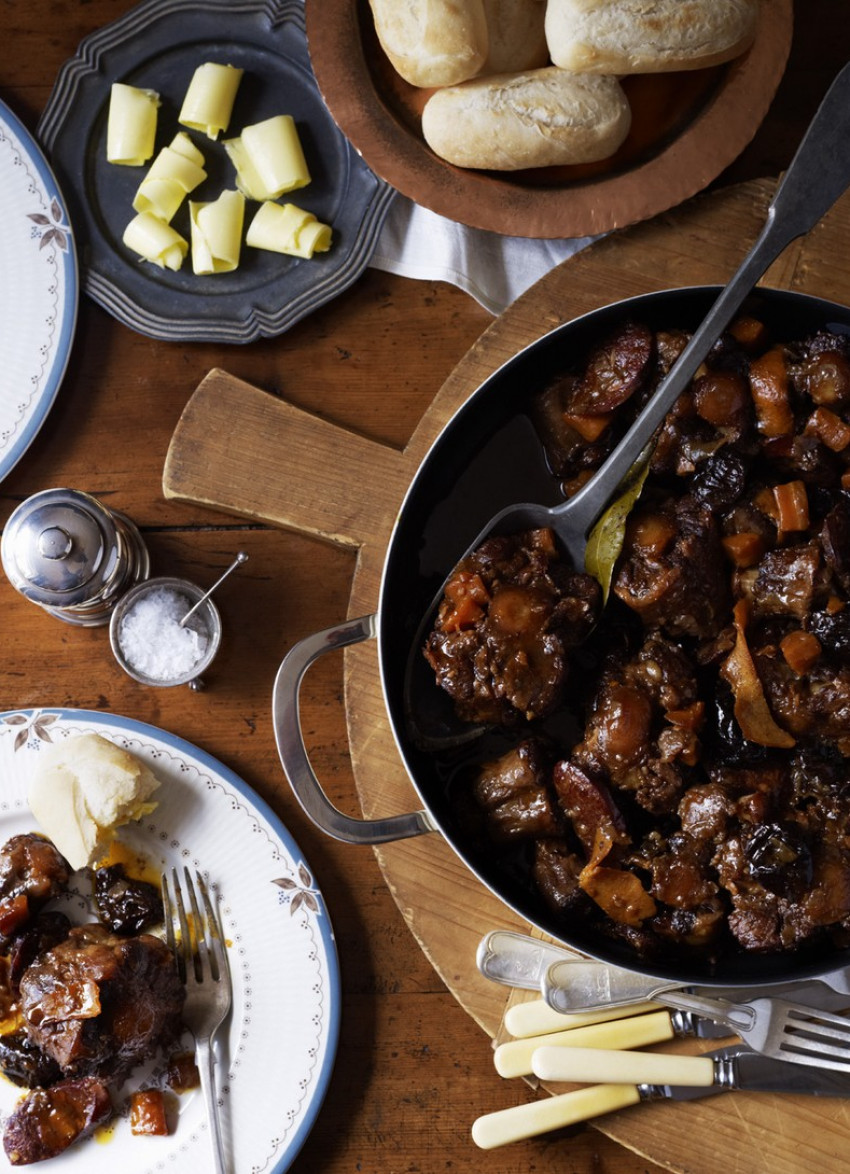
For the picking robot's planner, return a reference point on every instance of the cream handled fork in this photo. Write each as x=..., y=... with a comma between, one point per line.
x=196, y=940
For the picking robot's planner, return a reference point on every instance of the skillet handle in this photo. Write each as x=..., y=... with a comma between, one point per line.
x=293, y=753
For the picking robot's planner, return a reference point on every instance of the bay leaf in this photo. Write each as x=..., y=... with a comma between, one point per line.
x=605, y=540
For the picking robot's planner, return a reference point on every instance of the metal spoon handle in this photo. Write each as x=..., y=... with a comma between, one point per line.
x=518, y=960
x=237, y=562
x=573, y=986
x=570, y=986
x=818, y=174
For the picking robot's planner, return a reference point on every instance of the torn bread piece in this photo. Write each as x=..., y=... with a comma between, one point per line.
x=83, y=790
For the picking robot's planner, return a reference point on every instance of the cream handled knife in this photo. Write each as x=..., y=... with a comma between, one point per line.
x=536, y=1017
x=744, y=1070
x=610, y=1066
x=514, y=1057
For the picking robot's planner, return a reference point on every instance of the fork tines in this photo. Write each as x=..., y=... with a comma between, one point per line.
x=200, y=948
x=817, y=1038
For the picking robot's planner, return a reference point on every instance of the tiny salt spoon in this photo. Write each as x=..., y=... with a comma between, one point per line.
x=237, y=562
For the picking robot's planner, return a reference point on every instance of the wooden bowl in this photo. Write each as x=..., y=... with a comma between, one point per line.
x=687, y=127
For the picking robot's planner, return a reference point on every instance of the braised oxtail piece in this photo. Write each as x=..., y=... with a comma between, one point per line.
x=48, y=1120
x=511, y=614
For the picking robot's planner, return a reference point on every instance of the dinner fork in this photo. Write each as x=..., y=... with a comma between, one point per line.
x=775, y=1026
x=197, y=943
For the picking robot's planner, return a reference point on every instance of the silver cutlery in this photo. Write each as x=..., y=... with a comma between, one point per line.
x=733, y=1067
x=776, y=1026
x=584, y=987
x=196, y=940
x=575, y=984
x=518, y=960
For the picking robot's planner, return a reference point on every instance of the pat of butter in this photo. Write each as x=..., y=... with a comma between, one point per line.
x=268, y=158
x=217, y=233
x=284, y=228
x=155, y=241
x=176, y=171
x=131, y=124
x=208, y=103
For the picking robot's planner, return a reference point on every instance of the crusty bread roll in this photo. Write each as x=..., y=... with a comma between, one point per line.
x=85, y=788
x=432, y=42
x=516, y=36
x=541, y=118
x=647, y=36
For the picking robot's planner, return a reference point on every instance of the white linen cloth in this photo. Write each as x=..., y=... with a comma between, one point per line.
x=493, y=269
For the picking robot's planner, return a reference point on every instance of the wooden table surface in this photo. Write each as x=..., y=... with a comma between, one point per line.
x=413, y=1069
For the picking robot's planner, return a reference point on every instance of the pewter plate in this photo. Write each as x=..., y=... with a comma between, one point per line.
x=39, y=289
x=277, y=1050
x=158, y=45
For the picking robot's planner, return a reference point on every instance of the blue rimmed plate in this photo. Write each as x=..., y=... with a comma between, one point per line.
x=39, y=290
x=158, y=45
x=278, y=1051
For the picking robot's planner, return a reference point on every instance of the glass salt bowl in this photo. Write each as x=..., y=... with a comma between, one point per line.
x=206, y=621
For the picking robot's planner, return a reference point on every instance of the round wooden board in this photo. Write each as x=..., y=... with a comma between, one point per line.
x=321, y=490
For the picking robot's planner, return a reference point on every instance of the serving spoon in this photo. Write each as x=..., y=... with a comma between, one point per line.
x=817, y=176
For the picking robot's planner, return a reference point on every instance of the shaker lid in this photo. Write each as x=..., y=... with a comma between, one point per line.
x=59, y=547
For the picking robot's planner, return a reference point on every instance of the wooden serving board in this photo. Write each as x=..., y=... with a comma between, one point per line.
x=241, y=450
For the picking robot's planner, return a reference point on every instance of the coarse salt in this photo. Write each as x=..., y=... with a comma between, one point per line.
x=153, y=642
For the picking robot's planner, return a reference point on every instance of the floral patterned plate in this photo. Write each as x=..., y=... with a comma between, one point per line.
x=38, y=293
x=275, y=1060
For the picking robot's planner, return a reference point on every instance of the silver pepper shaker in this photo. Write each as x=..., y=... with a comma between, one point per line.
x=66, y=551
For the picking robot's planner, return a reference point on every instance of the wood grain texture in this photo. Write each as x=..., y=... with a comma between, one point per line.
x=413, y=1066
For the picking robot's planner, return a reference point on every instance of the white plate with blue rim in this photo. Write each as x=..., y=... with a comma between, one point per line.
x=39, y=291
x=277, y=1052
x=157, y=45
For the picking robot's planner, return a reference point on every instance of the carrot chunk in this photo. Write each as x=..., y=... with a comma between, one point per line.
x=828, y=428
x=801, y=651
x=749, y=332
x=589, y=428
x=147, y=1113
x=792, y=506
x=744, y=549
x=466, y=594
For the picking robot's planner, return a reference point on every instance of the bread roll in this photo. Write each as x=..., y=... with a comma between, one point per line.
x=432, y=42
x=647, y=36
x=516, y=36
x=85, y=788
x=541, y=118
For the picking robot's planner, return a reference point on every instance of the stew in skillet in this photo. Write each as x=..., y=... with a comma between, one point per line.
x=700, y=800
